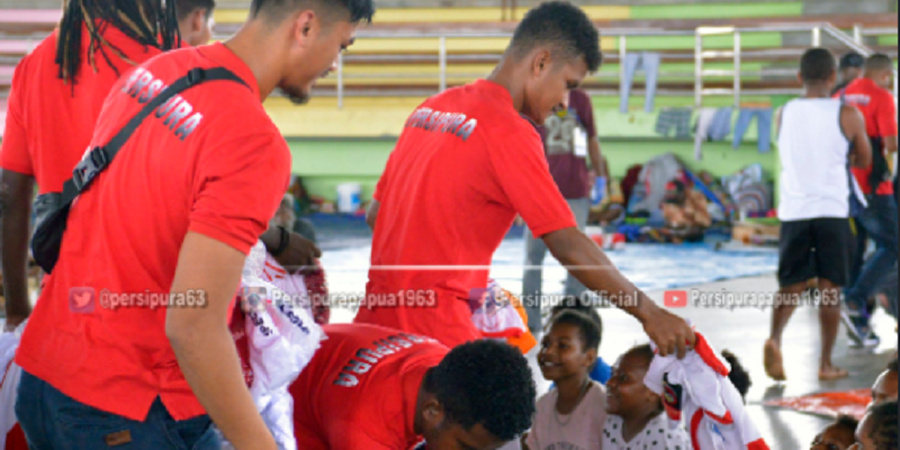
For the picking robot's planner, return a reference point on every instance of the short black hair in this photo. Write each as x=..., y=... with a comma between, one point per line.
x=817, y=65
x=590, y=334
x=485, y=382
x=846, y=422
x=573, y=303
x=187, y=7
x=360, y=10
x=884, y=426
x=879, y=62
x=644, y=352
x=563, y=25
x=853, y=60
x=892, y=365
x=738, y=375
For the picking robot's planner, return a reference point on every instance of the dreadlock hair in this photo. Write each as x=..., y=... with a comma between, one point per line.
x=152, y=23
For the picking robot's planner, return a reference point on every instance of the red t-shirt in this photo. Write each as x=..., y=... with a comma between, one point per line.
x=47, y=127
x=465, y=165
x=877, y=106
x=360, y=389
x=224, y=179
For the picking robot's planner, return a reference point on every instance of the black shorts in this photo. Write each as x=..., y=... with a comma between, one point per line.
x=817, y=248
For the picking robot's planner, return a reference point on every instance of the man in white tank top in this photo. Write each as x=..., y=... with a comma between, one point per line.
x=819, y=140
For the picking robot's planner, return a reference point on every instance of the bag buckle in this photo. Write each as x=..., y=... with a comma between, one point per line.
x=93, y=163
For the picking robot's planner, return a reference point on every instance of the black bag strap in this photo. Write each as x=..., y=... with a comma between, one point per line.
x=99, y=158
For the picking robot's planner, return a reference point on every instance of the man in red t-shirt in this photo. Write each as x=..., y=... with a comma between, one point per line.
x=879, y=219
x=466, y=164
x=373, y=388
x=51, y=114
x=44, y=148
x=129, y=343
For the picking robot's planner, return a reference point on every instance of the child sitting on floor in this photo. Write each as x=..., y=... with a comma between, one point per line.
x=601, y=370
x=636, y=420
x=572, y=415
x=879, y=428
x=839, y=435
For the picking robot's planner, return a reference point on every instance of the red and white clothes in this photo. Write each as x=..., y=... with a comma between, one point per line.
x=276, y=341
x=309, y=290
x=696, y=389
x=11, y=435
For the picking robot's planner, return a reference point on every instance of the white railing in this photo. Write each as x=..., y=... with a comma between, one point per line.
x=818, y=32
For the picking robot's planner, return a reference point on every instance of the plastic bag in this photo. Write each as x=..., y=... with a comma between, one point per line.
x=282, y=338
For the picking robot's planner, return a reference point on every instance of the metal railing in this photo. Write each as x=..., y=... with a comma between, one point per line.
x=443, y=58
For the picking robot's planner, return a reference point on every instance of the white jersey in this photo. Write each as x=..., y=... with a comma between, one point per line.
x=815, y=169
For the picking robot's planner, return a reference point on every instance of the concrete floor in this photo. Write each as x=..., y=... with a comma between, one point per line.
x=743, y=331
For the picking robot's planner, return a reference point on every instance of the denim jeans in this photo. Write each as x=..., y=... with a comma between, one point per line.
x=879, y=223
x=535, y=251
x=53, y=421
x=650, y=63
x=764, y=117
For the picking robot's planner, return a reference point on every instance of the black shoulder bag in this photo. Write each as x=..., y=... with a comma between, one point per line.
x=52, y=209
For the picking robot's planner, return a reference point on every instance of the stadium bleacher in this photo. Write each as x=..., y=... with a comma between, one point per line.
x=397, y=62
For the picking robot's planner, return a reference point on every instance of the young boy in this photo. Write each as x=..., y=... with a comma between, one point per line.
x=878, y=429
x=815, y=206
x=885, y=387
x=572, y=415
x=601, y=371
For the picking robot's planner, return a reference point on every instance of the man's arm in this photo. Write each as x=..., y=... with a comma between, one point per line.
x=300, y=254
x=890, y=144
x=15, y=206
x=575, y=250
x=372, y=213
x=204, y=346
x=854, y=126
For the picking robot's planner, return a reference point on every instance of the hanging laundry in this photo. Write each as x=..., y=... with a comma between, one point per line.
x=678, y=119
x=764, y=118
x=649, y=63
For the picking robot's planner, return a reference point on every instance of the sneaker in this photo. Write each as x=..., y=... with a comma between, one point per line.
x=871, y=340
x=852, y=321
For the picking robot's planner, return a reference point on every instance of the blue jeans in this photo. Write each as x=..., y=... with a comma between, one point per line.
x=764, y=117
x=650, y=62
x=535, y=251
x=879, y=223
x=53, y=421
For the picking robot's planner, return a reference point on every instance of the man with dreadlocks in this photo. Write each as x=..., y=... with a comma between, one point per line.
x=57, y=93
x=173, y=217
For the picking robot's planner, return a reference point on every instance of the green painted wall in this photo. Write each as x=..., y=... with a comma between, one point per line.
x=325, y=164
x=887, y=40
x=717, y=11
x=749, y=40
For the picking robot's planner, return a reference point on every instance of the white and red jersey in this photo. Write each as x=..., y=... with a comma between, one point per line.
x=697, y=390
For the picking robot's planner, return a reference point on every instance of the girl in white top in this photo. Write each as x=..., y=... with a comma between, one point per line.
x=636, y=420
x=570, y=416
